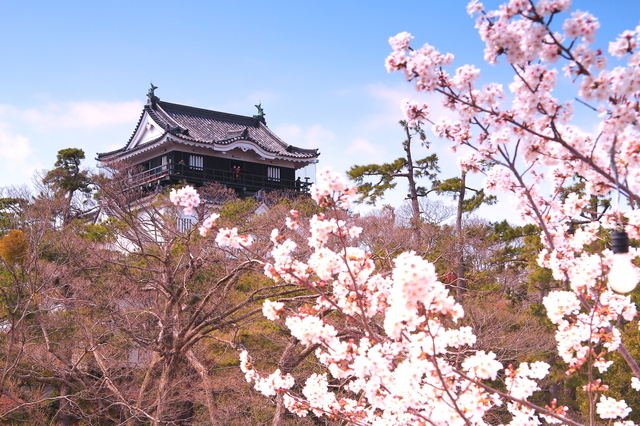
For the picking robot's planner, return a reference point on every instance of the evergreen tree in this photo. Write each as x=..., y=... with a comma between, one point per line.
x=402, y=167
x=67, y=179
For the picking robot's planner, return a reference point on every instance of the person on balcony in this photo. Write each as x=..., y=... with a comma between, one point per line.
x=235, y=173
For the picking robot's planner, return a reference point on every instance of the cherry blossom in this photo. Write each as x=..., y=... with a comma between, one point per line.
x=587, y=316
x=609, y=408
x=414, y=113
x=581, y=24
x=401, y=41
x=417, y=365
x=473, y=8
x=482, y=365
x=186, y=197
x=208, y=224
x=498, y=180
x=330, y=184
x=272, y=310
x=229, y=237
x=403, y=375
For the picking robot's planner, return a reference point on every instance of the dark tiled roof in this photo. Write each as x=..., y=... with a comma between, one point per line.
x=213, y=127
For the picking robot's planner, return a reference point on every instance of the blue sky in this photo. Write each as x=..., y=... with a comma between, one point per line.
x=75, y=73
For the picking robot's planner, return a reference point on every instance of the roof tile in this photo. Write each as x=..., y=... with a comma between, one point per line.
x=214, y=127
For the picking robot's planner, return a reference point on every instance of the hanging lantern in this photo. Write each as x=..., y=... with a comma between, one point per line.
x=623, y=276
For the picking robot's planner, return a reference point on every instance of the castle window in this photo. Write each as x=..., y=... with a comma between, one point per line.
x=185, y=224
x=273, y=173
x=196, y=161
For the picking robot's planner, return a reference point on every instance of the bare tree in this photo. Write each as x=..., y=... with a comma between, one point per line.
x=165, y=292
x=118, y=321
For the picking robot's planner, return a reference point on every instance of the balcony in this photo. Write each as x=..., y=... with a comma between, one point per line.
x=242, y=182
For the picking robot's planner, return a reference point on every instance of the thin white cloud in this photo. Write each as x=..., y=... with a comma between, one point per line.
x=318, y=135
x=34, y=134
x=16, y=156
x=12, y=146
x=365, y=152
x=389, y=97
x=8, y=110
x=315, y=136
x=393, y=94
x=77, y=115
x=289, y=132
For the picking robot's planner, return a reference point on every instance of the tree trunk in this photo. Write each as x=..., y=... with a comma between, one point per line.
x=65, y=418
x=162, y=397
x=461, y=283
x=146, y=382
x=288, y=361
x=413, y=191
x=206, y=386
x=280, y=412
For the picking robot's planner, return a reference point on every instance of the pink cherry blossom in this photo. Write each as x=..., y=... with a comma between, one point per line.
x=498, y=180
x=405, y=373
x=401, y=41
x=482, y=365
x=229, y=237
x=414, y=113
x=186, y=197
x=272, y=310
x=474, y=7
x=581, y=24
x=609, y=408
x=208, y=224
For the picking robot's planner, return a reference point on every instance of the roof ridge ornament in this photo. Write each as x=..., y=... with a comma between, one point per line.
x=260, y=115
x=151, y=95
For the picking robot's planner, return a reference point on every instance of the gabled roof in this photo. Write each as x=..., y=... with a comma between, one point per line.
x=209, y=127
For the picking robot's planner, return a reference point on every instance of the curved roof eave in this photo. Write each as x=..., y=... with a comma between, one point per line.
x=135, y=130
x=168, y=137
x=125, y=154
x=245, y=144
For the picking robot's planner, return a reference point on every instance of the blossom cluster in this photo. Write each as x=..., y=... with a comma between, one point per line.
x=229, y=237
x=276, y=382
x=609, y=408
x=186, y=197
x=414, y=113
x=331, y=190
x=393, y=341
x=530, y=139
x=404, y=375
x=208, y=224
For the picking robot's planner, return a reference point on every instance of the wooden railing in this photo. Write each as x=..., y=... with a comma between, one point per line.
x=233, y=179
